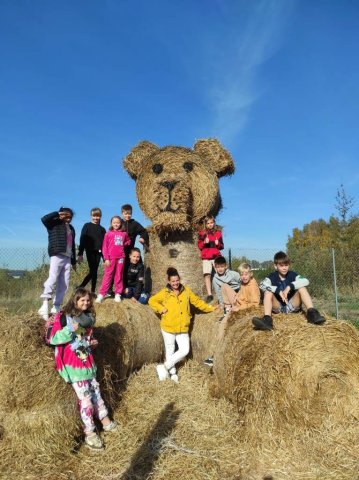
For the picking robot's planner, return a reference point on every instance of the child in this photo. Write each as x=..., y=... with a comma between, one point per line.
x=284, y=292
x=249, y=294
x=62, y=254
x=133, y=228
x=113, y=249
x=72, y=335
x=210, y=243
x=134, y=278
x=91, y=240
x=226, y=284
x=173, y=303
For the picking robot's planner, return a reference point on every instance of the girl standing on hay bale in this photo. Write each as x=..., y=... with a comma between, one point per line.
x=72, y=335
x=62, y=254
x=173, y=304
x=210, y=243
x=113, y=250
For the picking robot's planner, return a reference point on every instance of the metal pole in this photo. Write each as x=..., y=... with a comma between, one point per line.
x=230, y=258
x=335, y=285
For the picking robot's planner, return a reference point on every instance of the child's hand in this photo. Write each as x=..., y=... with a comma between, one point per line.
x=80, y=259
x=75, y=325
x=206, y=240
x=216, y=241
x=164, y=311
x=283, y=296
x=141, y=240
x=107, y=263
x=93, y=343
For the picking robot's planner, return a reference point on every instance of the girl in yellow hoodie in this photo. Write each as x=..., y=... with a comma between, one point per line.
x=173, y=304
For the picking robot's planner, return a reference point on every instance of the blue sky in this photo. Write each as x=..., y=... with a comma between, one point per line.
x=82, y=82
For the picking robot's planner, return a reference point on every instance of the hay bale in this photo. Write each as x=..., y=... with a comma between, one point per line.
x=178, y=250
x=299, y=375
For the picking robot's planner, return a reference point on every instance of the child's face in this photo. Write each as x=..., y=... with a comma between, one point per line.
x=282, y=268
x=134, y=257
x=220, y=269
x=66, y=217
x=83, y=303
x=174, y=282
x=116, y=224
x=210, y=224
x=96, y=218
x=126, y=215
x=246, y=275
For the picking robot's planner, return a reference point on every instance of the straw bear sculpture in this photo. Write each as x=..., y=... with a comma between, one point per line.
x=176, y=188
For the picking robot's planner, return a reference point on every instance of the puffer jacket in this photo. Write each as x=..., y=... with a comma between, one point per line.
x=177, y=319
x=57, y=232
x=210, y=250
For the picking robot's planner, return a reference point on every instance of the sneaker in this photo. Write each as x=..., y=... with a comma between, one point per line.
x=43, y=311
x=55, y=309
x=99, y=298
x=162, y=372
x=118, y=298
x=313, y=316
x=209, y=298
x=110, y=427
x=94, y=441
x=209, y=361
x=264, y=323
x=174, y=378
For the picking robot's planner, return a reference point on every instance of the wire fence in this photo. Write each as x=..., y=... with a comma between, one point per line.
x=333, y=275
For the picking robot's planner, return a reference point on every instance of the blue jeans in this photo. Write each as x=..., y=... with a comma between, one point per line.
x=142, y=299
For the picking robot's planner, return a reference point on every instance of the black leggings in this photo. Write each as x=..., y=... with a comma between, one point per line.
x=93, y=260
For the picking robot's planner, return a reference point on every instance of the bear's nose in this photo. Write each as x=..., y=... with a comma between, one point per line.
x=169, y=185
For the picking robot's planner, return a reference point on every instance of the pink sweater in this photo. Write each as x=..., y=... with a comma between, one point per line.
x=114, y=244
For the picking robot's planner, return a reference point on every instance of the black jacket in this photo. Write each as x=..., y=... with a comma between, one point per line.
x=57, y=232
x=134, y=277
x=133, y=229
x=91, y=239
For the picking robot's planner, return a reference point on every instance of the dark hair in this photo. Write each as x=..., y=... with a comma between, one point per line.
x=95, y=211
x=126, y=208
x=135, y=249
x=281, y=257
x=71, y=306
x=119, y=218
x=220, y=261
x=67, y=210
x=172, y=272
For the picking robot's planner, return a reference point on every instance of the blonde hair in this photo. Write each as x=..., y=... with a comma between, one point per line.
x=245, y=267
x=206, y=219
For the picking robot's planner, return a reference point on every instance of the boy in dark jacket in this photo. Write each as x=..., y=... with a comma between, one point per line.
x=134, y=278
x=284, y=292
x=133, y=228
x=62, y=254
x=91, y=240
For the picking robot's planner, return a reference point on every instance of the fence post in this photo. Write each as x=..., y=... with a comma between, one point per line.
x=230, y=258
x=335, y=285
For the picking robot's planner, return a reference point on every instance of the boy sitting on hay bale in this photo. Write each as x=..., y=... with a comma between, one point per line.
x=284, y=292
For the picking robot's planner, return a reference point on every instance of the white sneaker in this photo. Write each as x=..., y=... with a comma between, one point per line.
x=118, y=298
x=94, y=441
x=43, y=311
x=110, y=427
x=162, y=372
x=174, y=378
x=55, y=309
x=99, y=298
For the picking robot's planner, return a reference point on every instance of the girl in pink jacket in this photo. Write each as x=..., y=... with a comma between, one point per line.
x=113, y=250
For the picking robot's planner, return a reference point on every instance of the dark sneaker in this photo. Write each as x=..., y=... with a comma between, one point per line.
x=313, y=316
x=209, y=298
x=264, y=323
x=209, y=362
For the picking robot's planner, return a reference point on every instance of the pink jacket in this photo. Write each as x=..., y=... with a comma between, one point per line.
x=114, y=244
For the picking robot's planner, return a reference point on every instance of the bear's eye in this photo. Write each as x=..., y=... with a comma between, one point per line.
x=188, y=166
x=157, y=168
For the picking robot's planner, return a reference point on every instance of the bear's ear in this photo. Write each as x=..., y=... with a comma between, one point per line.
x=133, y=162
x=216, y=155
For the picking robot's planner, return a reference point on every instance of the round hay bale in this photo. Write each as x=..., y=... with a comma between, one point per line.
x=297, y=375
x=178, y=250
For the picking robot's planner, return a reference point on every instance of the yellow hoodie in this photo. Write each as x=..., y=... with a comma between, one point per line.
x=178, y=316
